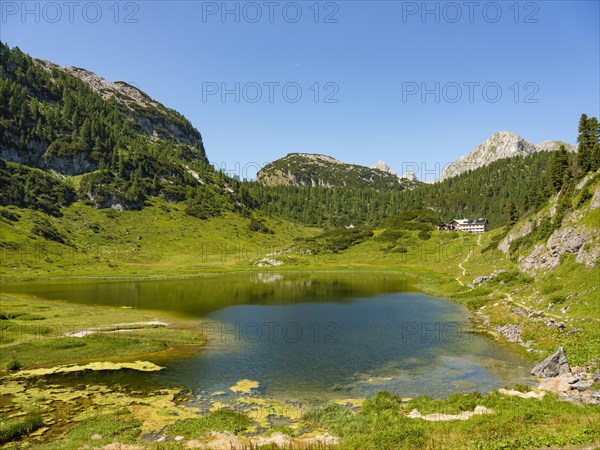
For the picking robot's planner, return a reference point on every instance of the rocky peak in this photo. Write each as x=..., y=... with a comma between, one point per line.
x=383, y=166
x=503, y=144
x=410, y=176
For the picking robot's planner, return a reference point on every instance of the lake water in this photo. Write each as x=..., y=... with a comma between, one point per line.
x=303, y=336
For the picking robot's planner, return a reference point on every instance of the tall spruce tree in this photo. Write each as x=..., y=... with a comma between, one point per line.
x=558, y=167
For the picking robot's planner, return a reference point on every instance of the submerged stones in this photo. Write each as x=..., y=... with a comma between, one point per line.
x=554, y=365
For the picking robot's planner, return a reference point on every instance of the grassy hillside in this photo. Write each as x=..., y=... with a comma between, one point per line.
x=160, y=239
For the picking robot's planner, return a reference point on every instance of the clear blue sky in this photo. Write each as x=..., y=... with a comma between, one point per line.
x=369, y=55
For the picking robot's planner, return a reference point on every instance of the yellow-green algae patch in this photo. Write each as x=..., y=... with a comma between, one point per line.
x=11, y=387
x=155, y=412
x=245, y=386
x=141, y=366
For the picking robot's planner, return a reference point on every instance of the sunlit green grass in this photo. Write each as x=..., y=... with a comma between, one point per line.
x=515, y=423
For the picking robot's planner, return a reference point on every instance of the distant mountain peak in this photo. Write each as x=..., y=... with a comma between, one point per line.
x=503, y=144
x=383, y=166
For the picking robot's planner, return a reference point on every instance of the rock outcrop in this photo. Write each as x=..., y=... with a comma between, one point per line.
x=553, y=366
x=575, y=386
x=152, y=117
x=569, y=239
x=515, y=233
x=484, y=278
x=511, y=333
x=410, y=176
x=383, y=166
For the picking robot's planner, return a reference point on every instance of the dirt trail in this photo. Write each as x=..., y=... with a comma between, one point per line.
x=460, y=265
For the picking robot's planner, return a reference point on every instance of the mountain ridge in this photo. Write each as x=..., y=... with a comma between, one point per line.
x=310, y=169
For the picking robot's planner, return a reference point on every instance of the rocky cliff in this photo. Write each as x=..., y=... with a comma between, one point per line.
x=577, y=233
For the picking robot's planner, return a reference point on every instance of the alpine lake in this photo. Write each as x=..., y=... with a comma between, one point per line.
x=299, y=336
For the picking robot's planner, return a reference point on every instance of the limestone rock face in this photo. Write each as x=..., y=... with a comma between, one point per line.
x=410, y=176
x=383, y=166
x=568, y=239
x=554, y=365
x=523, y=230
x=503, y=144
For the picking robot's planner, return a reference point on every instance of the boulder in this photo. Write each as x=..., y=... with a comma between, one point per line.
x=554, y=365
x=482, y=279
x=554, y=385
x=583, y=385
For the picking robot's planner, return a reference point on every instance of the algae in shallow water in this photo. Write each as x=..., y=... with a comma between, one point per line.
x=245, y=386
x=142, y=366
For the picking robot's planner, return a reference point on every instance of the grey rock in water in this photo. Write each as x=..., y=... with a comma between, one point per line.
x=554, y=365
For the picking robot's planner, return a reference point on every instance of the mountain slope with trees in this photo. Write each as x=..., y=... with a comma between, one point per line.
x=307, y=169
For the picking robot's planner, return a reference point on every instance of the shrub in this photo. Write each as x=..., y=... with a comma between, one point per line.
x=173, y=193
x=424, y=235
x=390, y=235
x=47, y=231
x=257, y=225
x=13, y=365
x=544, y=230
x=558, y=298
x=381, y=402
x=9, y=215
